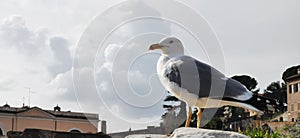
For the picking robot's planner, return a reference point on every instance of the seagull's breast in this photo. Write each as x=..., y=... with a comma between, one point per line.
x=173, y=87
x=160, y=67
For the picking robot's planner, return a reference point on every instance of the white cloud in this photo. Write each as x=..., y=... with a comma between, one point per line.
x=123, y=71
x=261, y=42
x=15, y=34
x=123, y=95
x=31, y=58
x=62, y=58
x=45, y=60
x=35, y=45
x=6, y=85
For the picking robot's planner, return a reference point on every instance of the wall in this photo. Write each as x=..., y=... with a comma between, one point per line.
x=293, y=99
x=40, y=119
x=20, y=123
x=154, y=130
x=5, y=123
x=37, y=133
x=83, y=126
x=278, y=125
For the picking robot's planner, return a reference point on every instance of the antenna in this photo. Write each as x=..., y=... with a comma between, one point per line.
x=23, y=101
x=29, y=92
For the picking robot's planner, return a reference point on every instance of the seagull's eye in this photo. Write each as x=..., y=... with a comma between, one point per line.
x=171, y=42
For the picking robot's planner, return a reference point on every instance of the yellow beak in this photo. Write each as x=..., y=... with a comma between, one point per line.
x=155, y=46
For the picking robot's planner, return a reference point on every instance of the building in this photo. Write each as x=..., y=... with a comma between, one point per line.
x=149, y=130
x=293, y=96
x=19, y=119
x=38, y=133
x=172, y=120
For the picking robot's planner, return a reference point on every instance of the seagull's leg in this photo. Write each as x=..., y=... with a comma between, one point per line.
x=189, y=116
x=199, y=114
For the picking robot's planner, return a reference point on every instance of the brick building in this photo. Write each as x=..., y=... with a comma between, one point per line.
x=20, y=118
x=293, y=96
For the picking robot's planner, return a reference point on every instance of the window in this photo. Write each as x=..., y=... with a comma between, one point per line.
x=296, y=87
x=281, y=119
x=75, y=131
x=298, y=106
x=1, y=132
x=291, y=88
x=292, y=107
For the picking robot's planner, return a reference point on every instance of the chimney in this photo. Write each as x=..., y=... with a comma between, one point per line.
x=57, y=108
x=103, y=127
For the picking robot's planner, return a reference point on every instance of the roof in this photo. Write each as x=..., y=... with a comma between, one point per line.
x=293, y=77
x=61, y=114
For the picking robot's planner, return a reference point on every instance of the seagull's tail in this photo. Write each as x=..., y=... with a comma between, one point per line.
x=264, y=104
x=256, y=103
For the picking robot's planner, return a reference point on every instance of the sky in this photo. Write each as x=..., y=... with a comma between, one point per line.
x=91, y=56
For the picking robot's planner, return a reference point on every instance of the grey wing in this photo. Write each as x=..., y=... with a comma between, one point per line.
x=236, y=90
x=203, y=80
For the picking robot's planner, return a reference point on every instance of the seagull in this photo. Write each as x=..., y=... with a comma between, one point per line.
x=199, y=84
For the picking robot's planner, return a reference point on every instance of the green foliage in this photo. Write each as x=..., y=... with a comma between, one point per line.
x=262, y=133
x=277, y=91
x=248, y=81
x=293, y=130
x=169, y=104
x=236, y=113
x=170, y=101
x=171, y=98
x=215, y=123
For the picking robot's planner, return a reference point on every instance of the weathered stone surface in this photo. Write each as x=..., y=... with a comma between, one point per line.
x=147, y=136
x=204, y=133
x=193, y=133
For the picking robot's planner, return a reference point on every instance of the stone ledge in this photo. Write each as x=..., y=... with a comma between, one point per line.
x=147, y=136
x=204, y=133
x=193, y=133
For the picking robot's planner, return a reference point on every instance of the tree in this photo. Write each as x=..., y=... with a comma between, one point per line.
x=248, y=81
x=294, y=130
x=171, y=98
x=215, y=123
x=236, y=113
x=170, y=102
x=277, y=90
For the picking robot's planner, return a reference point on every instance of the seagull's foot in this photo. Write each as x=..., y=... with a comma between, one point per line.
x=199, y=115
x=189, y=116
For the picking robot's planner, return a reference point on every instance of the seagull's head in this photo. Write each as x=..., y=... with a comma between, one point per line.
x=169, y=46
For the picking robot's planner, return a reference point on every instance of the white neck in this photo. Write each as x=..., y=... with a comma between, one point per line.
x=171, y=55
x=163, y=59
